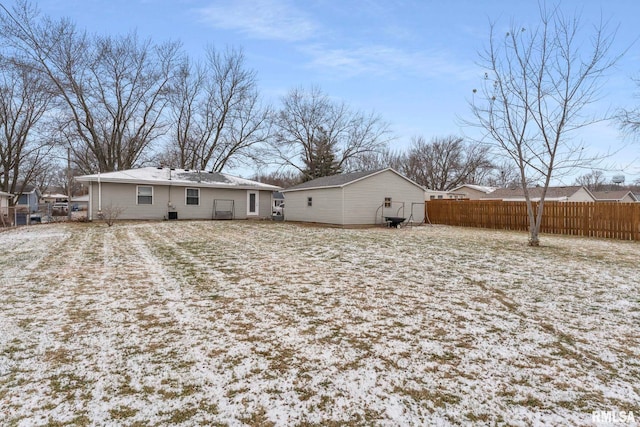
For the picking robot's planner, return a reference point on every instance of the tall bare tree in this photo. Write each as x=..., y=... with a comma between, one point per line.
x=629, y=118
x=310, y=117
x=386, y=158
x=112, y=90
x=217, y=114
x=538, y=83
x=283, y=178
x=504, y=175
x=445, y=163
x=594, y=180
x=24, y=100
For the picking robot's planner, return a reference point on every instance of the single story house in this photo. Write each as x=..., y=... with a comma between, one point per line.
x=441, y=195
x=167, y=193
x=29, y=199
x=53, y=198
x=358, y=198
x=620, y=196
x=472, y=191
x=573, y=193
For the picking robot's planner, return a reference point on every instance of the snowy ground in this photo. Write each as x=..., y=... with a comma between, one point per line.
x=264, y=323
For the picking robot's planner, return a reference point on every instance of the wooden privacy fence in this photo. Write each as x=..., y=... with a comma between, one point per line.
x=606, y=220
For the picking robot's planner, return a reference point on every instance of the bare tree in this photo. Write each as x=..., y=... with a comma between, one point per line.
x=112, y=90
x=310, y=126
x=445, y=163
x=594, y=180
x=24, y=146
x=217, y=115
x=386, y=158
x=110, y=214
x=504, y=175
x=536, y=89
x=55, y=178
x=629, y=119
x=282, y=179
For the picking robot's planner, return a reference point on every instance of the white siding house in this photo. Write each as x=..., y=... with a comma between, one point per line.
x=472, y=191
x=441, y=195
x=359, y=198
x=573, y=193
x=166, y=193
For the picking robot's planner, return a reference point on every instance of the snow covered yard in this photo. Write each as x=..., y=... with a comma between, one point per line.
x=259, y=323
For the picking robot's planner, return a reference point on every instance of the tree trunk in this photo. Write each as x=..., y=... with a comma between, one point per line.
x=534, y=228
x=534, y=240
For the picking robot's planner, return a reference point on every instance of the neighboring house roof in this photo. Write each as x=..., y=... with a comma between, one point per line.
x=30, y=189
x=178, y=177
x=84, y=198
x=277, y=195
x=481, y=188
x=553, y=193
x=613, y=196
x=344, y=179
x=54, y=196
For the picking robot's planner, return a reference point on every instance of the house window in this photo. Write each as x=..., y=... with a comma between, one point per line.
x=309, y=201
x=193, y=196
x=145, y=195
x=387, y=202
x=432, y=197
x=440, y=196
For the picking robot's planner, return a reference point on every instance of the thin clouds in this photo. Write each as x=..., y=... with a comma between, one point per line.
x=266, y=19
x=386, y=61
x=281, y=20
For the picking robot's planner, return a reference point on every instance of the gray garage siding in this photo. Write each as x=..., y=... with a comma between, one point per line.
x=356, y=202
x=364, y=197
x=326, y=206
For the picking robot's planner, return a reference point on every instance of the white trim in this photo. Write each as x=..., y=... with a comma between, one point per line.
x=257, y=203
x=186, y=191
x=138, y=195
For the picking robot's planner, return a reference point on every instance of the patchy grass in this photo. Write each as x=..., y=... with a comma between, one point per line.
x=217, y=323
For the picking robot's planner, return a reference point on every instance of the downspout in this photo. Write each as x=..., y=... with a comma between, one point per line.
x=342, y=208
x=169, y=207
x=99, y=194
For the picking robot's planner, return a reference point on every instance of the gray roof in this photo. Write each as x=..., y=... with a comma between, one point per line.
x=181, y=177
x=613, y=195
x=28, y=189
x=334, y=180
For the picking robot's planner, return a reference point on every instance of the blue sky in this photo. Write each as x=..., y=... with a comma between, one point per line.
x=411, y=61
